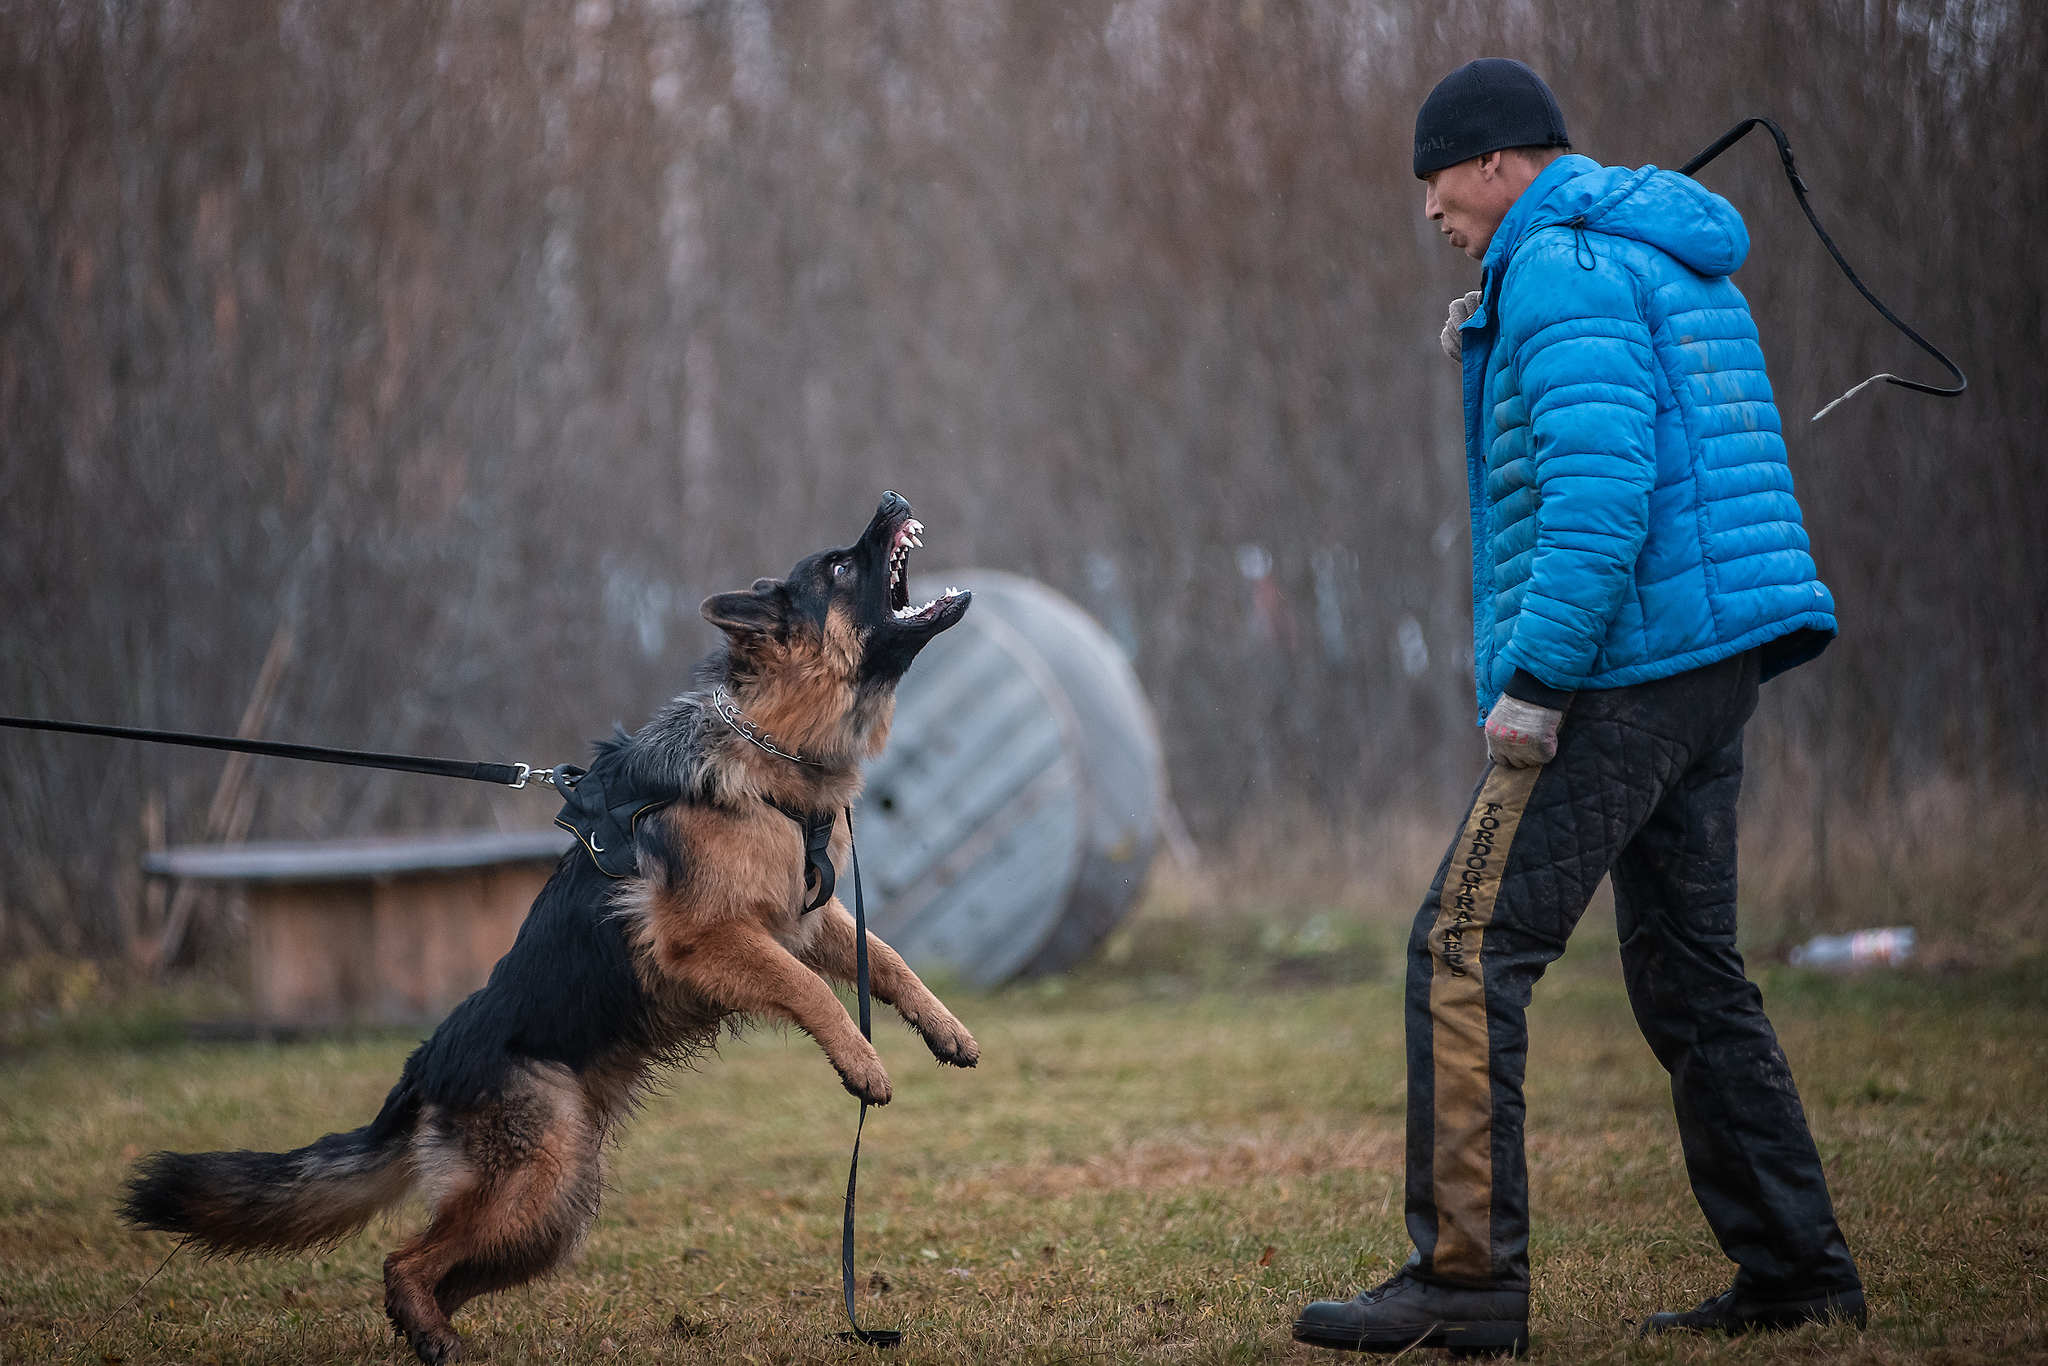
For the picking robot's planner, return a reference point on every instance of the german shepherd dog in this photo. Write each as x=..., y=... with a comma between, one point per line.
x=502, y=1116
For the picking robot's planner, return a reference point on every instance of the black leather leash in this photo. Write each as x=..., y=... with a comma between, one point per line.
x=873, y=1337
x=508, y=775
x=1733, y=136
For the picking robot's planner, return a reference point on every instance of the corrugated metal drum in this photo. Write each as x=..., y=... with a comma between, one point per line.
x=1011, y=822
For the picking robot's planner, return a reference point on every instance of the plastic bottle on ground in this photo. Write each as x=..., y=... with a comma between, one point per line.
x=1886, y=947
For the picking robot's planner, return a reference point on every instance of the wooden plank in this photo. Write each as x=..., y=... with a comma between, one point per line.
x=942, y=683
x=310, y=954
x=988, y=921
x=987, y=721
x=932, y=818
x=1107, y=730
x=420, y=927
x=509, y=893
x=376, y=856
x=985, y=699
x=974, y=813
x=438, y=936
x=1054, y=784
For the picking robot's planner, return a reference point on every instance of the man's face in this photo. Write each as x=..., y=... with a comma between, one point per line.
x=1468, y=201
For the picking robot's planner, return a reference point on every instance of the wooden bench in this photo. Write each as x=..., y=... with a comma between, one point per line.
x=389, y=930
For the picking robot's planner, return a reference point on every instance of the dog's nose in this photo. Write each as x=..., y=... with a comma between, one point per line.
x=892, y=503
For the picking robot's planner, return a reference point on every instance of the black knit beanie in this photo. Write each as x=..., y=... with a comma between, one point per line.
x=1482, y=107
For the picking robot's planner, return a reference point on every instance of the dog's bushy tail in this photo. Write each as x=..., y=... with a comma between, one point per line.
x=279, y=1202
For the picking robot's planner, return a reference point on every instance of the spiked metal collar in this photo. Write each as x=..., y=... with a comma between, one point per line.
x=729, y=712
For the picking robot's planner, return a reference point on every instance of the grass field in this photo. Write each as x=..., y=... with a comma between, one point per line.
x=1144, y=1168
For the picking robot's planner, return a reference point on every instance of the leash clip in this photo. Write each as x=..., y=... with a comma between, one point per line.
x=544, y=776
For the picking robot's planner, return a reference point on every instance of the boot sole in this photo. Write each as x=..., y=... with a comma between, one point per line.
x=1776, y=1318
x=1484, y=1338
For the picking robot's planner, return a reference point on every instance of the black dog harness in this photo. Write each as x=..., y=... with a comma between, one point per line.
x=819, y=875
x=602, y=806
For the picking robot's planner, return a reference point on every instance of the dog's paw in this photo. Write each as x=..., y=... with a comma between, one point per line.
x=867, y=1080
x=436, y=1348
x=950, y=1042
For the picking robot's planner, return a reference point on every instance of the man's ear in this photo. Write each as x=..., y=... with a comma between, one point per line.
x=758, y=611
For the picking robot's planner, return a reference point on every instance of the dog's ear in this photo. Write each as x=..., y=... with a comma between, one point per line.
x=760, y=611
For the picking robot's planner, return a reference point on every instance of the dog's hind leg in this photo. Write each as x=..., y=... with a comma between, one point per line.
x=514, y=1188
x=831, y=954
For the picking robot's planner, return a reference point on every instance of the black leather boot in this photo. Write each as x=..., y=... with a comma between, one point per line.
x=1405, y=1312
x=1734, y=1312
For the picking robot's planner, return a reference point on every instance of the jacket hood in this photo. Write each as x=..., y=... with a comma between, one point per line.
x=1662, y=209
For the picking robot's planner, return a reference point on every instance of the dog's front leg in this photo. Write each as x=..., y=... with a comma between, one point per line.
x=740, y=966
x=891, y=981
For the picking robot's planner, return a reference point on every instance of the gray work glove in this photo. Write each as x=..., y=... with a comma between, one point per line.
x=1461, y=309
x=1521, y=734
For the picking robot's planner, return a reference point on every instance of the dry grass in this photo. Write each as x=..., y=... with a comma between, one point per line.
x=1140, y=1171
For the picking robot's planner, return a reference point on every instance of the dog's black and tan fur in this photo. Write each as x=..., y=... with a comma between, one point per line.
x=503, y=1115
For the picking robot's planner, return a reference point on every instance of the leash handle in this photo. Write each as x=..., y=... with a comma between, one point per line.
x=509, y=775
x=873, y=1337
x=1733, y=136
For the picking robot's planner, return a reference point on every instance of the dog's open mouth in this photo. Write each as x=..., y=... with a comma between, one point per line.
x=910, y=536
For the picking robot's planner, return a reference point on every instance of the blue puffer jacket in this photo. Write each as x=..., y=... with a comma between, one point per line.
x=1632, y=510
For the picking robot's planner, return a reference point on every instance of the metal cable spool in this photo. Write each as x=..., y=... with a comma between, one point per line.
x=1010, y=824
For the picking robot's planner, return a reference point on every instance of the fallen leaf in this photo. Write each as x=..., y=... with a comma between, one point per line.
x=1266, y=1257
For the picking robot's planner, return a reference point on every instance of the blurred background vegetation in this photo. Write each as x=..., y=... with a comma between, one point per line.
x=402, y=376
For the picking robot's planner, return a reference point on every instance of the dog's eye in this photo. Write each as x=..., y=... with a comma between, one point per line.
x=838, y=569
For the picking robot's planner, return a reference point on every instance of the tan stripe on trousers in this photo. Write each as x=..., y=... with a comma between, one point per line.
x=1462, y=1165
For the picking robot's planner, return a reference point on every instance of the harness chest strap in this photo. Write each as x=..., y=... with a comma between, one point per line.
x=819, y=873
x=603, y=821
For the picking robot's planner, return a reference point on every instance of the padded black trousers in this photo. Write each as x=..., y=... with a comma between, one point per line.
x=1643, y=786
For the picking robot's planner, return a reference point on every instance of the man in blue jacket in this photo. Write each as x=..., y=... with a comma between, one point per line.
x=1638, y=568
